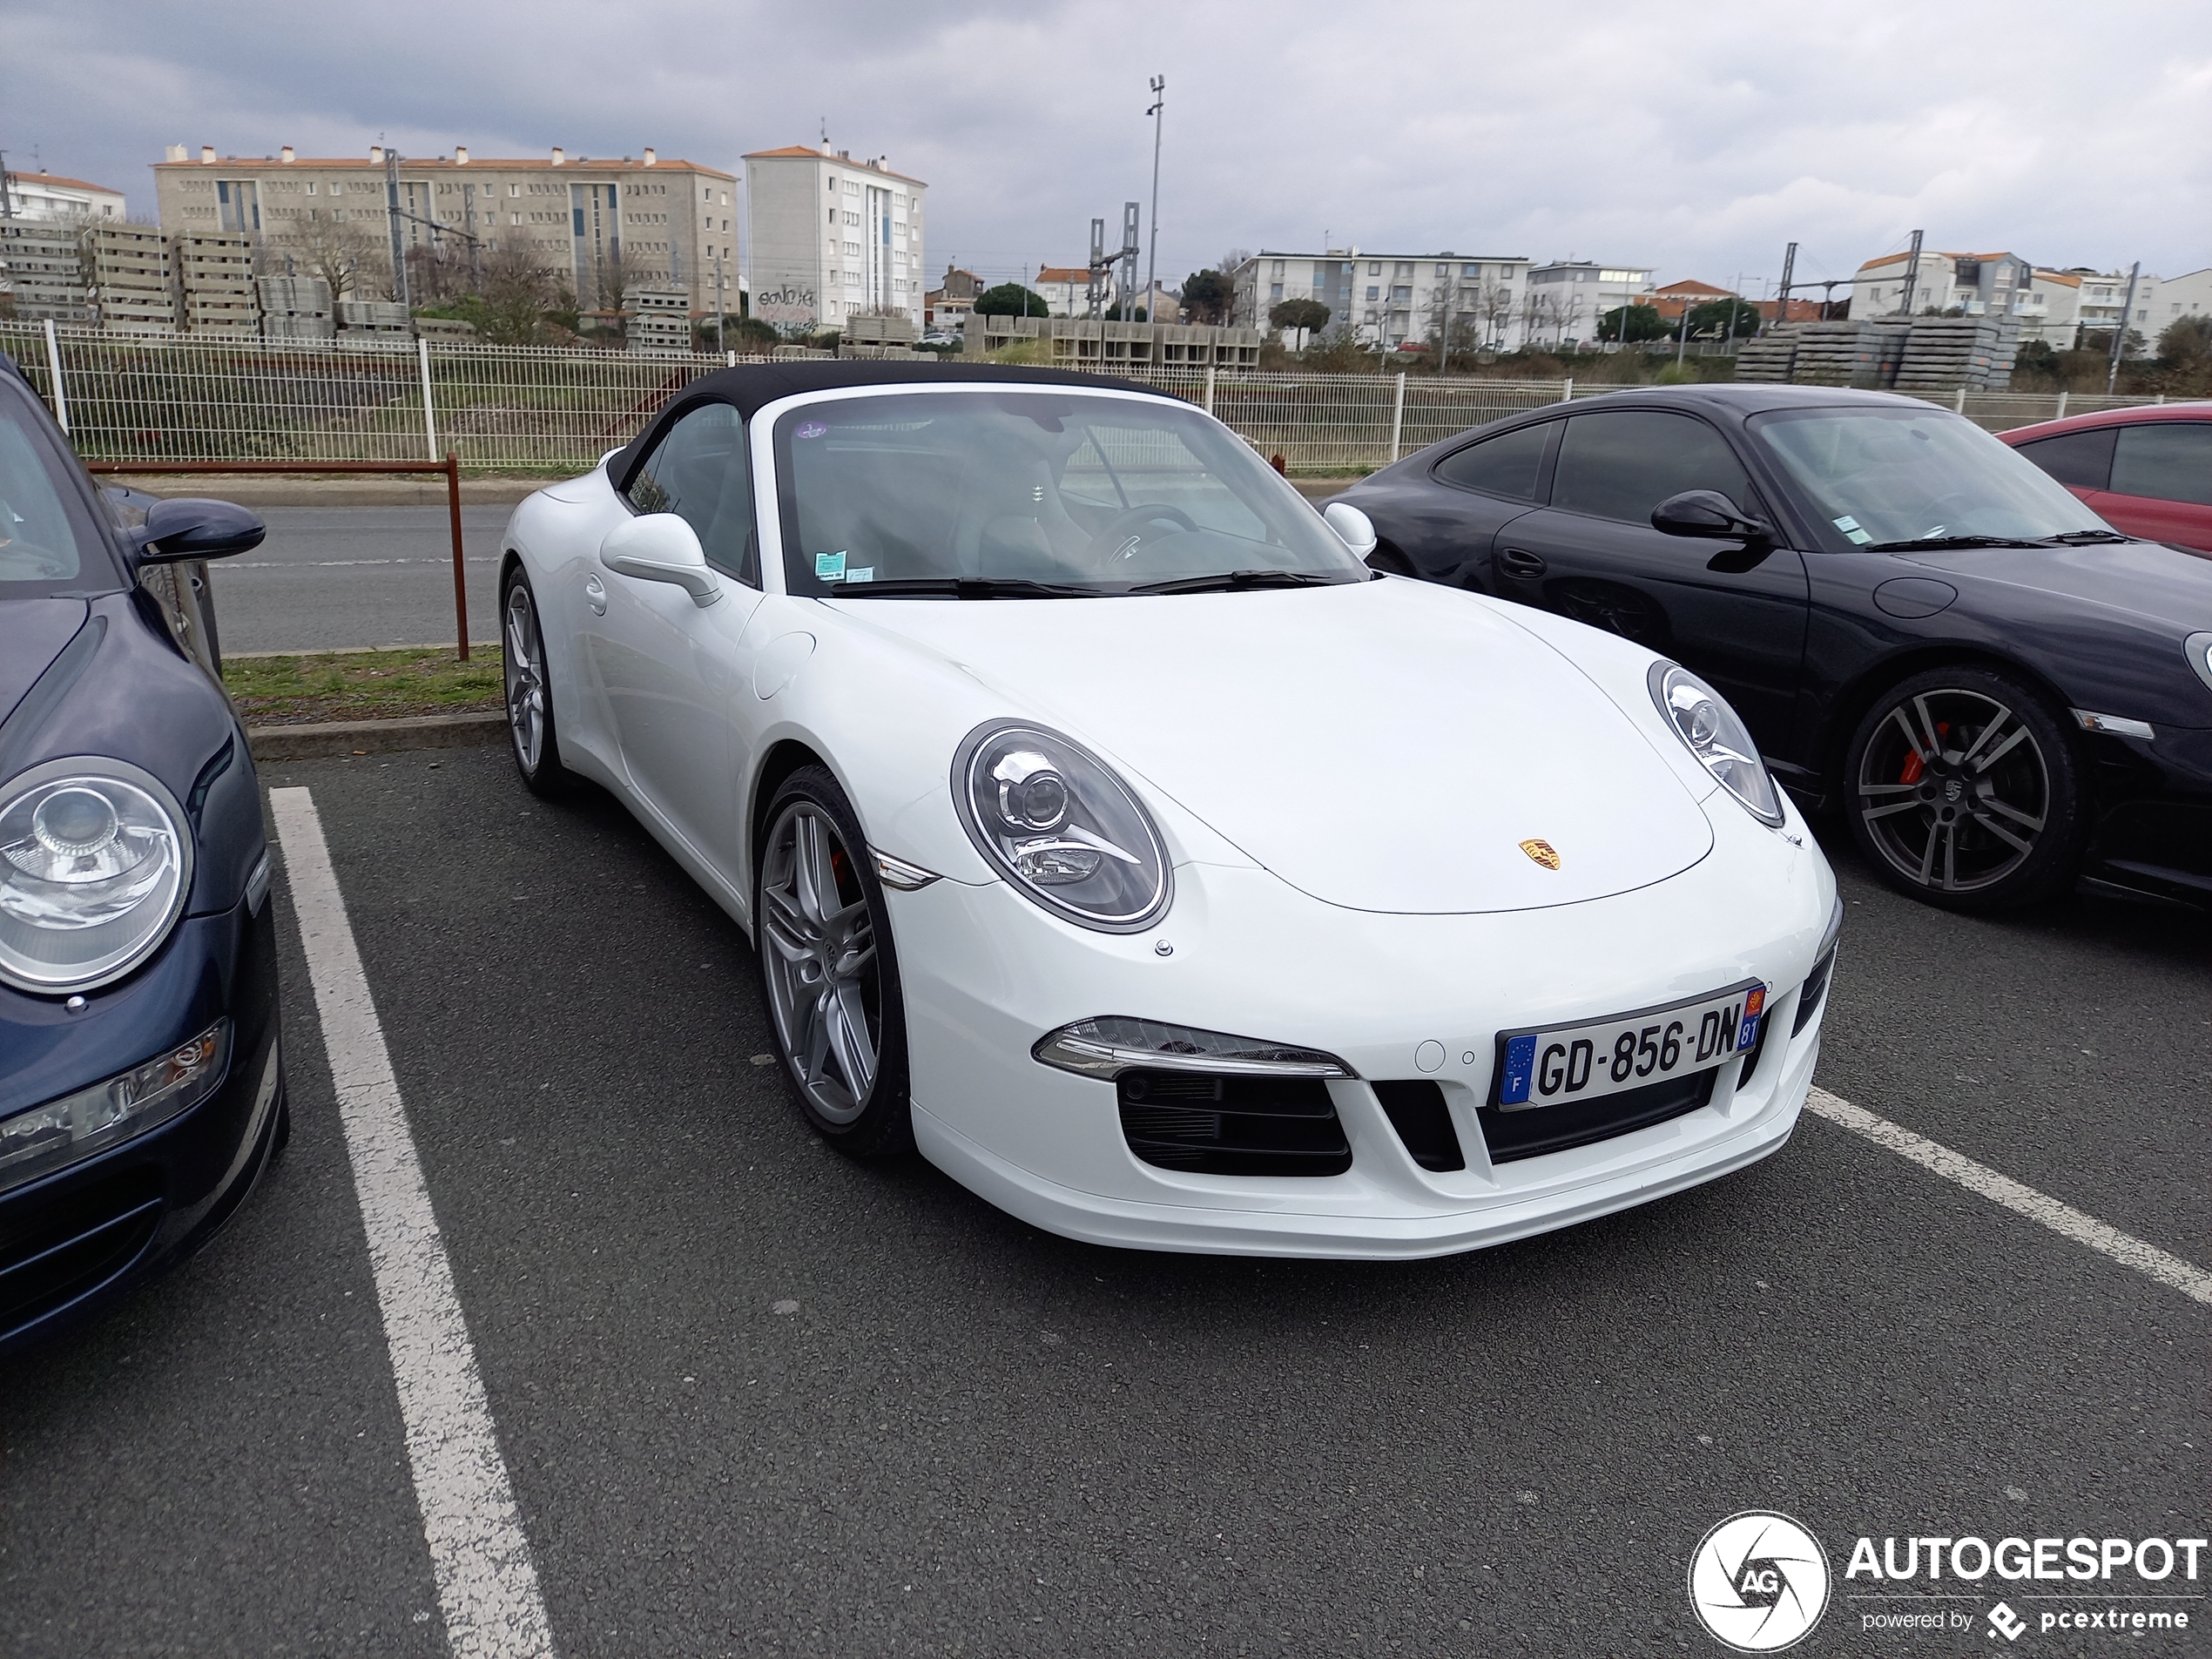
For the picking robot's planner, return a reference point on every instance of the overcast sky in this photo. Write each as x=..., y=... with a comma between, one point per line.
x=1696, y=139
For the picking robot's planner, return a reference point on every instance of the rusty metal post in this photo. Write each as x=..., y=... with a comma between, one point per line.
x=460, y=588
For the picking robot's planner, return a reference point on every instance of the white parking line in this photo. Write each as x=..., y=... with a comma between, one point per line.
x=487, y=1586
x=2061, y=1218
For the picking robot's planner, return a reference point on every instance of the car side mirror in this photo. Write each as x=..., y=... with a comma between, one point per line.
x=1708, y=513
x=1353, y=528
x=186, y=528
x=661, y=547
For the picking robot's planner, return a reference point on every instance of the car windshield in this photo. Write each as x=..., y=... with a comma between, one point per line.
x=1878, y=476
x=47, y=536
x=1043, y=493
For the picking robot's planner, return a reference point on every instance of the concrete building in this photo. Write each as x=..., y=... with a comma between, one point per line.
x=1384, y=300
x=48, y=196
x=947, y=307
x=606, y=224
x=2053, y=305
x=827, y=236
x=1565, y=299
x=1065, y=289
x=2179, y=297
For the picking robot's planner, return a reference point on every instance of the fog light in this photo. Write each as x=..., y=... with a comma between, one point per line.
x=1107, y=1046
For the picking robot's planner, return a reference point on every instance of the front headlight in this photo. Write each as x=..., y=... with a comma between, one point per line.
x=1711, y=731
x=1065, y=829
x=95, y=866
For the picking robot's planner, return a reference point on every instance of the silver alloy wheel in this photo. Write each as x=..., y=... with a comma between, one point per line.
x=525, y=675
x=818, y=955
x=1953, y=790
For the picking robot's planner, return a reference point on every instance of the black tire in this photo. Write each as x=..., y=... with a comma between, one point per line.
x=1966, y=789
x=531, y=738
x=821, y=1018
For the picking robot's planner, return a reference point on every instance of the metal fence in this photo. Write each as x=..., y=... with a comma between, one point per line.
x=528, y=409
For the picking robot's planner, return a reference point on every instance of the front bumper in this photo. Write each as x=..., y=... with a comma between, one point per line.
x=985, y=975
x=84, y=1234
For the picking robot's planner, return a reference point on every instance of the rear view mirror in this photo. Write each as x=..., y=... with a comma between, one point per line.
x=187, y=528
x=662, y=547
x=1353, y=528
x=1709, y=514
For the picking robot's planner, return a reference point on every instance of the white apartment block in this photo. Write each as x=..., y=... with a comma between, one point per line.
x=828, y=238
x=1388, y=298
x=2178, y=297
x=1566, y=298
x=2052, y=305
x=48, y=196
x=602, y=224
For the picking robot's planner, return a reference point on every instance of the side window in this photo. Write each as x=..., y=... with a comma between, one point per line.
x=701, y=472
x=1506, y=465
x=1623, y=462
x=2168, y=461
x=2082, y=459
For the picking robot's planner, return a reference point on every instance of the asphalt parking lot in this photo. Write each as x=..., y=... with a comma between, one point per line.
x=753, y=1398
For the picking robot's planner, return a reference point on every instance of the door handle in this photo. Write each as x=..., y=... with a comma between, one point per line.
x=1517, y=561
x=595, y=594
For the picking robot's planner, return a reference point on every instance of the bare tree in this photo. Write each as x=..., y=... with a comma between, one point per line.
x=353, y=259
x=1494, y=304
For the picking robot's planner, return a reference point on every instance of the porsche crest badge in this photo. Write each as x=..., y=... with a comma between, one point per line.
x=1542, y=850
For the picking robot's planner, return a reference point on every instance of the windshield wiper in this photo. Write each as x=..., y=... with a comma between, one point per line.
x=1927, y=542
x=1229, y=580
x=2084, y=538
x=963, y=587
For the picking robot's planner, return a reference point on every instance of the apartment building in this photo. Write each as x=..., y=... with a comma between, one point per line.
x=828, y=238
x=1385, y=299
x=43, y=195
x=606, y=224
x=2052, y=305
x=1565, y=299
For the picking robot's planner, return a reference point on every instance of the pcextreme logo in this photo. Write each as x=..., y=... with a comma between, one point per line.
x=1758, y=1581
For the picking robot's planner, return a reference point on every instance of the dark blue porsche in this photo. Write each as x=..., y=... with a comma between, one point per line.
x=141, y=1088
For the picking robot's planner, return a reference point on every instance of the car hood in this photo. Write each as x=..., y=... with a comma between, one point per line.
x=1382, y=746
x=2148, y=580
x=32, y=633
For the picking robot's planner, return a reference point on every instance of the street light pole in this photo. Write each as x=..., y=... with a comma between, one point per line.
x=2120, y=332
x=1152, y=259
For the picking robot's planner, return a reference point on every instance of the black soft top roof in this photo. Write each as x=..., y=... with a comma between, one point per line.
x=752, y=386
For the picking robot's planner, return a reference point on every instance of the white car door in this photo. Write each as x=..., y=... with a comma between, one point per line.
x=673, y=670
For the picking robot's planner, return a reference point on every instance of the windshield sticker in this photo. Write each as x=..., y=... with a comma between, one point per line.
x=1852, y=534
x=830, y=567
x=812, y=429
x=861, y=573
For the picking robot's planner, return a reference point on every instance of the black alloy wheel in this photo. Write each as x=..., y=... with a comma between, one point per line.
x=827, y=968
x=1967, y=791
x=529, y=692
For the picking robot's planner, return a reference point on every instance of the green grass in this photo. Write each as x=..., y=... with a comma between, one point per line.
x=362, y=685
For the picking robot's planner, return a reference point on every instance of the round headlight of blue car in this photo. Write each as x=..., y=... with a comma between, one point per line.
x=1055, y=820
x=95, y=866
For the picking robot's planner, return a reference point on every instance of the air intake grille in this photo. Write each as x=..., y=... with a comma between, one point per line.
x=1232, y=1125
x=82, y=1240
x=1808, y=995
x=1417, y=1111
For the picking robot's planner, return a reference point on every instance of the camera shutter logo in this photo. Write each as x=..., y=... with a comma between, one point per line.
x=1758, y=1581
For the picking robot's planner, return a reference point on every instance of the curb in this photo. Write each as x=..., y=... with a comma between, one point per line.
x=375, y=737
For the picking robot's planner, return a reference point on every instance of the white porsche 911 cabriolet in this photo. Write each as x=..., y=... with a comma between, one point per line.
x=1110, y=834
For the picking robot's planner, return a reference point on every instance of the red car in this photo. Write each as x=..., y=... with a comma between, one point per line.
x=2147, y=471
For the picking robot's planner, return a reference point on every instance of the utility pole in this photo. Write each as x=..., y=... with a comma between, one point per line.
x=1782, y=301
x=717, y=304
x=393, y=214
x=1132, y=227
x=1152, y=259
x=1911, y=275
x=7, y=197
x=2120, y=333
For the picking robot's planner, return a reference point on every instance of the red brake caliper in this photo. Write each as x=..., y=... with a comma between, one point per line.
x=1912, y=768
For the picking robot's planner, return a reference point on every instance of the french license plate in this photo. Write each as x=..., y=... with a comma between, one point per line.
x=1554, y=1064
